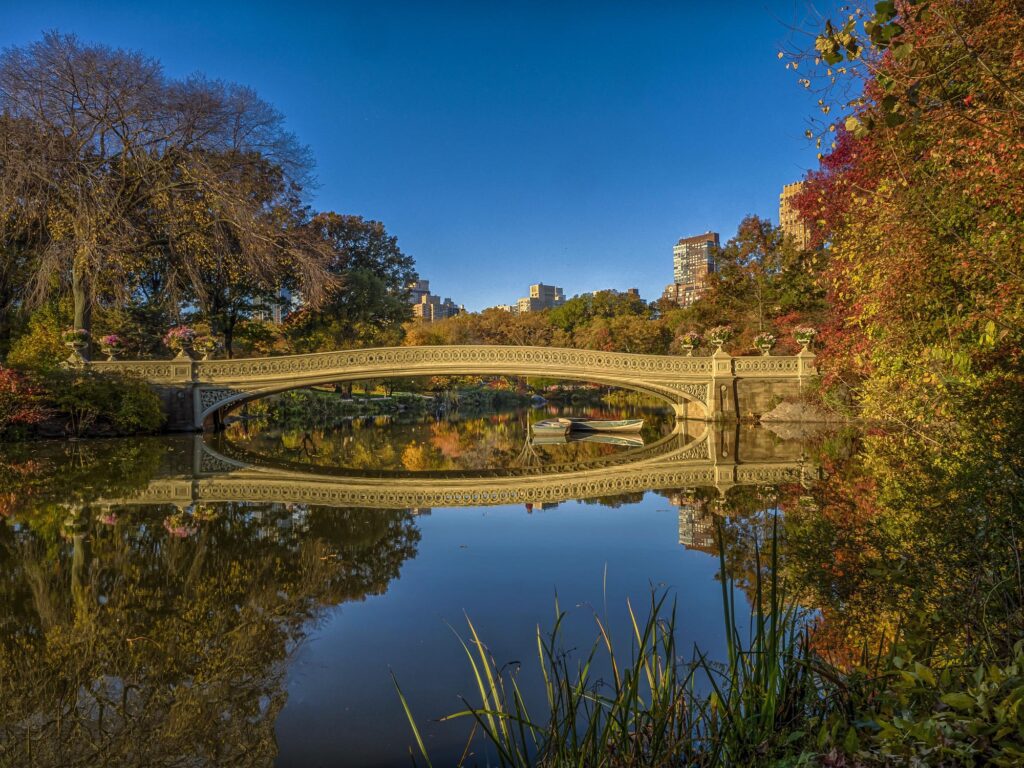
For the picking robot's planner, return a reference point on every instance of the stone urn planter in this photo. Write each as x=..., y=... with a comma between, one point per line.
x=179, y=339
x=205, y=346
x=718, y=336
x=805, y=336
x=77, y=340
x=111, y=346
x=764, y=343
x=689, y=342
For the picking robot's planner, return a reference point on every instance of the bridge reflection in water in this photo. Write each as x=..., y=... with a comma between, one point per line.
x=693, y=455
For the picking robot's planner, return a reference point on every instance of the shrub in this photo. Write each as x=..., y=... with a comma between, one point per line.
x=40, y=346
x=101, y=401
x=939, y=714
x=20, y=402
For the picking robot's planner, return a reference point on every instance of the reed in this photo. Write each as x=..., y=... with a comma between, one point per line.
x=757, y=706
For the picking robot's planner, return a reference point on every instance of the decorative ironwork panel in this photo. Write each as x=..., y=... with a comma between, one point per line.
x=210, y=398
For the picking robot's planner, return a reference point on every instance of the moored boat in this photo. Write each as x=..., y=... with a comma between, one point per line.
x=552, y=427
x=603, y=425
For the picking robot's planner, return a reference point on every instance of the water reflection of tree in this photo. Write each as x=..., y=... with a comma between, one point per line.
x=33, y=476
x=919, y=531
x=121, y=643
x=460, y=442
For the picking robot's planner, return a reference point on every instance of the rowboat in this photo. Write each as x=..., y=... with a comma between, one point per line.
x=552, y=427
x=601, y=425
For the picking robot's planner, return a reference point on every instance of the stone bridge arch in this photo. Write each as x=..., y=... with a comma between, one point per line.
x=193, y=391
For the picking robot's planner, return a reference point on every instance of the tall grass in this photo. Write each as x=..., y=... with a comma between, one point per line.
x=653, y=709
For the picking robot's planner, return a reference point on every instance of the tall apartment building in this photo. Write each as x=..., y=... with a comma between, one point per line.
x=693, y=259
x=274, y=312
x=541, y=297
x=428, y=307
x=417, y=290
x=789, y=219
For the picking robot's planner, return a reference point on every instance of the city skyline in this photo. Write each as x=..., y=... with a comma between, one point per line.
x=482, y=138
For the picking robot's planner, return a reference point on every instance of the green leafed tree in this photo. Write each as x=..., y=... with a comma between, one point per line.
x=370, y=301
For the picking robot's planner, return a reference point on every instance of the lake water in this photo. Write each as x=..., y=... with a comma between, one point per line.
x=245, y=598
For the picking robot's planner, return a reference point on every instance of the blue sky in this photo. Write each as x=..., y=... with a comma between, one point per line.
x=504, y=143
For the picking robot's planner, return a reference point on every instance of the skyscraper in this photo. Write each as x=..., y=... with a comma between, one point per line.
x=789, y=218
x=693, y=258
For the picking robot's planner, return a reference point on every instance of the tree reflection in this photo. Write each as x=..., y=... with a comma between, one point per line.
x=921, y=532
x=911, y=535
x=125, y=640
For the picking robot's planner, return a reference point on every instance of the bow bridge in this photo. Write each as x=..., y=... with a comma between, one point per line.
x=717, y=387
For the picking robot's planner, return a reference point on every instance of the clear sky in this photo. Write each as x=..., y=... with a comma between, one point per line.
x=504, y=143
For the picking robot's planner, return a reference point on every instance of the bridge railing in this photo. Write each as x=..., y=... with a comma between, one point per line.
x=484, y=357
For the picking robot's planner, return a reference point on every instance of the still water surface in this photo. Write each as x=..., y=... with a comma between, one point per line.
x=243, y=599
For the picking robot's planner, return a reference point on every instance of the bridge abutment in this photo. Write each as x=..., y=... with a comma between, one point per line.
x=178, y=401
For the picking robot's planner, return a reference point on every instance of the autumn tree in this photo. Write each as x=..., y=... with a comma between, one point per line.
x=919, y=201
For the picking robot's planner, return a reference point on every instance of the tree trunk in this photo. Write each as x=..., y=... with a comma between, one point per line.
x=229, y=334
x=83, y=301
